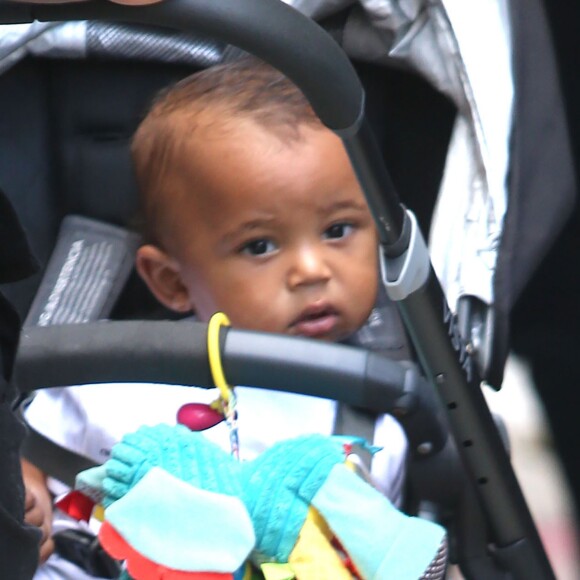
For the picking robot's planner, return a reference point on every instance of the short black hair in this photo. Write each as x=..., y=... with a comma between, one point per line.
x=244, y=87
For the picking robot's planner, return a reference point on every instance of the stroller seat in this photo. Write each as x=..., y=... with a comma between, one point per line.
x=77, y=158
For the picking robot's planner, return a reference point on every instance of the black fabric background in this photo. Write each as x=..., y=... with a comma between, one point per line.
x=18, y=543
x=546, y=319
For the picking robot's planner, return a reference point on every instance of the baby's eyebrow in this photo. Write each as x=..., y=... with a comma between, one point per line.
x=246, y=227
x=342, y=204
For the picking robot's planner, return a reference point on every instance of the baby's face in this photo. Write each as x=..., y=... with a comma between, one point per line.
x=280, y=239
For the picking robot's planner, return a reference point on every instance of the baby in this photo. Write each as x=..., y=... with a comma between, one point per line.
x=253, y=209
x=250, y=207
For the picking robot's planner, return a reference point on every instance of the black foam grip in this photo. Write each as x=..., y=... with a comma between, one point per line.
x=176, y=353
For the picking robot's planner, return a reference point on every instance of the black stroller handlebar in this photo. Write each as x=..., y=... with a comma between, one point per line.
x=176, y=353
x=271, y=30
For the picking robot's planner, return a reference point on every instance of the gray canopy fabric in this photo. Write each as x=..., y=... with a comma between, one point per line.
x=509, y=182
x=464, y=50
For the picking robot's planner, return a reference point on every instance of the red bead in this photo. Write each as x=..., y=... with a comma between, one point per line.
x=198, y=416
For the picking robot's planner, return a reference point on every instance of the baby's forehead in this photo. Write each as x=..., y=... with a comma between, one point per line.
x=216, y=140
x=215, y=118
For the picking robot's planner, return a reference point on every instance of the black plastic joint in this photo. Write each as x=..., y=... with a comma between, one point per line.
x=399, y=247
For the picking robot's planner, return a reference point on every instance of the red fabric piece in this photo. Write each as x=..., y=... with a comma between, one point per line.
x=140, y=567
x=77, y=505
x=346, y=560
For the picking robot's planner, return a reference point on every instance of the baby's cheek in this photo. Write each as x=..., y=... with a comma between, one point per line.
x=366, y=295
x=259, y=312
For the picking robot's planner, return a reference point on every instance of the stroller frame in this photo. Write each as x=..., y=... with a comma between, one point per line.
x=270, y=30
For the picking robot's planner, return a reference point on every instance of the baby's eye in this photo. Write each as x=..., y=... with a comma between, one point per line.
x=337, y=231
x=259, y=247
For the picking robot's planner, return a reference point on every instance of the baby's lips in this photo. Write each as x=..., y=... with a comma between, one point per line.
x=198, y=416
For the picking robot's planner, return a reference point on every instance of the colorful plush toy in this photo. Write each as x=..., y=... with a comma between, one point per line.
x=178, y=507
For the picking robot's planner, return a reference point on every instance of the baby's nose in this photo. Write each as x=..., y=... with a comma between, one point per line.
x=309, y=266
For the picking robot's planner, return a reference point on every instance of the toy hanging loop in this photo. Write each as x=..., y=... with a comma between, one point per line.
x=227, y=396
x=218, y=320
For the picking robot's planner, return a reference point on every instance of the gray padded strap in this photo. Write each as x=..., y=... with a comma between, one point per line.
x=356, y=422
x=87, y=271
x=52, y=459
x=383, y=332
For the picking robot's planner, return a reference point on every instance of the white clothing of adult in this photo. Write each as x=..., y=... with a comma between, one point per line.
x=90, y=419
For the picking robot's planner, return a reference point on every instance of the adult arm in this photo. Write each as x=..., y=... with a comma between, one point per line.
x=18, y=542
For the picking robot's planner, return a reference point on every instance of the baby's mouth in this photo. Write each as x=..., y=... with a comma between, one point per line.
x=316, y=321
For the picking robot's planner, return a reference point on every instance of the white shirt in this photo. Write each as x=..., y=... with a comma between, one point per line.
x=90, y=419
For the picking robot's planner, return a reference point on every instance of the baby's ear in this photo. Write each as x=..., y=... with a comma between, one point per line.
x=162, y=275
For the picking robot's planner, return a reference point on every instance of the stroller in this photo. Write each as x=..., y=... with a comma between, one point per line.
x=490, y=510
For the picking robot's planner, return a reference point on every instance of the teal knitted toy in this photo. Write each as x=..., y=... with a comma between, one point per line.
x=279, y=486
x=165, y=490
x=290, y=478
x=178, y=505
x=185, y=454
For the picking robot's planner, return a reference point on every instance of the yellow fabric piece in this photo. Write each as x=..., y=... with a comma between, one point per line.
x=348, y=462
x=248, y=573
x=319, y=522
x=274, y=571
x=99, y=513
x=313, y=558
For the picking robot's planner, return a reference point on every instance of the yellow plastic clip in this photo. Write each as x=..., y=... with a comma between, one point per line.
x=218, y=320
